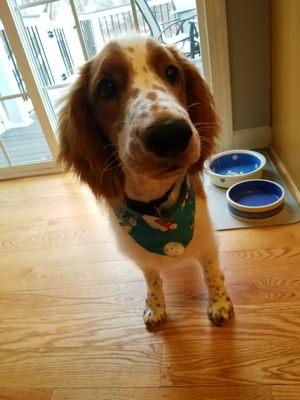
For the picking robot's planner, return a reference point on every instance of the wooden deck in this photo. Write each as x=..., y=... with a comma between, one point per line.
x=25, y=145
x=71, y=309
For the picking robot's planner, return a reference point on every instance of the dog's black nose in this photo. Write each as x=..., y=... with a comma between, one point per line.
x=168, y=138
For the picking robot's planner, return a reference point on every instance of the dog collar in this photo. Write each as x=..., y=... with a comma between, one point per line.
x=150, y=207
x=164, y=232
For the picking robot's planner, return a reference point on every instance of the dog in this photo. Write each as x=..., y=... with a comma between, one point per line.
x=136, y=127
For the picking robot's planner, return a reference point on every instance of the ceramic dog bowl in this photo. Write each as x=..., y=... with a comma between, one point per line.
x=255, y=199
x=230, y=167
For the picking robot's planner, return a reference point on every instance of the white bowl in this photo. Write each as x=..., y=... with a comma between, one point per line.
x=255, y=199
x=230, y=167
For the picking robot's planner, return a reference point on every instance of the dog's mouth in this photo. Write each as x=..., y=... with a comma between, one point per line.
x=170, y=171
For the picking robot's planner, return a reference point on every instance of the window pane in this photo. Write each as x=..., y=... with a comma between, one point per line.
x=53, y=41
x=21, y=132
x=11, y=81
x=173, y=22
x=102, y=21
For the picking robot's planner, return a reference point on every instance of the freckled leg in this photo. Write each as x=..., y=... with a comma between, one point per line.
x=155, y=310
x=220, y=308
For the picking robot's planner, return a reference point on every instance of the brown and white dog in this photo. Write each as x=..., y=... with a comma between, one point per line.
x=137, y=122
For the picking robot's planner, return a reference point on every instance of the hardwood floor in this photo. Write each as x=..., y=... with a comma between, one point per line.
x=71, y=306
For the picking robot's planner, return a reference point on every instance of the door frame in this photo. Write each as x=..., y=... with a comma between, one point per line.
x=214, y=45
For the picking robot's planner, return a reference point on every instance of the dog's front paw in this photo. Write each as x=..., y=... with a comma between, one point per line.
x=154, y=316
x=220, y=311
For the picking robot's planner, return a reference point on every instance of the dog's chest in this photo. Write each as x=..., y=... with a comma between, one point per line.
x=164, y=231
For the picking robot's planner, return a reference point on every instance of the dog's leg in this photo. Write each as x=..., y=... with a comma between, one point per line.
x=220, y=308
x=155, y=310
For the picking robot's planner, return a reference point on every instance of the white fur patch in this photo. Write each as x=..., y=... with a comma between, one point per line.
x=143, y=78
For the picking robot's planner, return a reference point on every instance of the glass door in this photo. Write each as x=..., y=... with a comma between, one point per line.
x=172, y=23
x=21, y=139
x=42, y=45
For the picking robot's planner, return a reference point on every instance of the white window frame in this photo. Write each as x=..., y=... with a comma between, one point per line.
x=214, y=47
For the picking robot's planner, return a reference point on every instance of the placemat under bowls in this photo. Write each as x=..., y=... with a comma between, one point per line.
x=221, y=217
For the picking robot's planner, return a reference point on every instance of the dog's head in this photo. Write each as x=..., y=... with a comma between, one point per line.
x=139, y=107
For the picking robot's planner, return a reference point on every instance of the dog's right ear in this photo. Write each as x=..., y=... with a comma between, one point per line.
x=83, y=146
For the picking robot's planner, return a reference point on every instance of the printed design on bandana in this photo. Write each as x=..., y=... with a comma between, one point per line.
x=162, y=224
x=166, y=233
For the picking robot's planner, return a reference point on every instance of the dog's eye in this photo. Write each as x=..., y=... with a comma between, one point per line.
x=107, y=89
x=172, y=73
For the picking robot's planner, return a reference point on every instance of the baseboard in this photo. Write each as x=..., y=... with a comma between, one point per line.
x=252, y=138
x=29, y=170
x=285, y=175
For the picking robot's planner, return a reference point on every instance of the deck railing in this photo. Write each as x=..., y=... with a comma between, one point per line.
x=97, y=29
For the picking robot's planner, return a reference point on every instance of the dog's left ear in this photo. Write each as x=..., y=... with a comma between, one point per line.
x=83, y=146
x=200, y=106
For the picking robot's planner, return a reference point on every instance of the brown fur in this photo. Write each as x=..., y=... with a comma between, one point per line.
x=156, y=87
x=200, y=106
x=134, y=92
x=88, y=137
x=83, y=146
x=151, y=96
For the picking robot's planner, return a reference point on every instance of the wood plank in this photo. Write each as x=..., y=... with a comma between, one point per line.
x=52, y=257
x=248, y=284
x=75, y=317
x=39, y=276
x=196, y=393
x=72, y=206
x=111, y=314
x=81, y=368
x=290, y=392
x=31, y=394
x=226, y=362
x=260, y=238
x=62, y=232
x=54, y=185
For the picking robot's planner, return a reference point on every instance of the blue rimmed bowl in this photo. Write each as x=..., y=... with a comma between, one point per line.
x=255, y=199
x=233, y=166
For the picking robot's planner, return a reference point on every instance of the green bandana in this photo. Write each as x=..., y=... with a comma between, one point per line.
x=167, y=232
